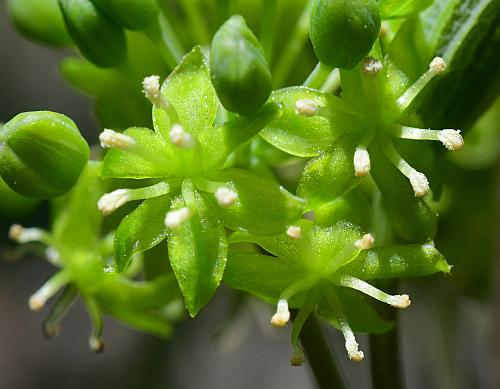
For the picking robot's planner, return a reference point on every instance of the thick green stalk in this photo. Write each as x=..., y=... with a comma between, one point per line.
x=319, y=356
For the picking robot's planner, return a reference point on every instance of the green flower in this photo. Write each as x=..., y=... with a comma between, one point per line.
x=323, y=270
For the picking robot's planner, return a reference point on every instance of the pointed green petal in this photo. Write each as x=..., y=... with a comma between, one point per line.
x=397, y=261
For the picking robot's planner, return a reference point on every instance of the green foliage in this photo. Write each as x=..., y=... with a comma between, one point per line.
x=130, y=14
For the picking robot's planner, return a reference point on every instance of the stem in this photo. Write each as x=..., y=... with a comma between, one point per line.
x=292, y=49
x=319, y=356
x=167, y=50
x=268, y=25
x=384, y=352
x=196, y=21
x=318, y=76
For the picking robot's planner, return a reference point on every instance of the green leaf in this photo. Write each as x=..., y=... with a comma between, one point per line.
x=390, y=9
x=330, y=175
x=307, y=136
x=197, y=249
x=154, y=159
x=352, y=207
x=359, y=311
x=261, y=275
x=78, y=220
x=190, y=91
x=141, y=230
x=397, y=261
x=263, y=207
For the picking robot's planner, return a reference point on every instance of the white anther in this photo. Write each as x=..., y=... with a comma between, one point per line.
x=419, y=183
x=366, y=242
x=282, y=315
x=151, y=89
x=352, y=349
x=24, y=235
x=96, y=344
x=437, y=65
x=399, y=301
x=362, y=164
x=225, y=196
x=174, y=219
x=36, y=302
x=306, y=107
x=110, y=202
x=181, y=138
x=294, y=232
x=372, y=66
x=115, y=140
x=451, y=139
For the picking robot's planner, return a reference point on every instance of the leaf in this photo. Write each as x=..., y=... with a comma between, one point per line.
x=359, y=311
x=307, y=136
x=330, y=175
x=197, y=249
x=397, y=261
x=263, y=276
x=390, y=9
x=152, y=162
x=190, y=91
x=77, y=220
x=141, y=230
x=263, y=207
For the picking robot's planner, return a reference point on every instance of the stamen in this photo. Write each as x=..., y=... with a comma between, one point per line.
x=362, y=164
x=96, y=343
x=115, y=140
x=51, y=325
x=25, y=235
x=418, y=180
x=49, y=289
x=306, y=107
x=371, y=66
x=397, y=301
x=174, y=219
x=110, y=202
x=305, y=311
x=282, y=315
x=294, y=232
x=435, y=67
x=52, y=255
x=225, y=197
x=151, y=89
x=451, y=139
x=181, y=138
x=366, y=242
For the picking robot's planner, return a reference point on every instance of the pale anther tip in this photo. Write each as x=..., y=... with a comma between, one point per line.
x=113, y=139
x=362, y=163
x=294, y=232
x=306, y=107
x=180, y=138
x=225, y=196
x=352, y=350
x=371, y=66
x=36, y=303
x=282, y=315
x=15, y=232
x=110, y=202
x=366, y=242
x=174, y=219
x=451, y=139
x=419, y=183
x=400, y=301
x=96, y=345
x=437, y=65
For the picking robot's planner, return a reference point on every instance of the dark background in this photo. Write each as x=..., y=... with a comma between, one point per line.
x=445, y=337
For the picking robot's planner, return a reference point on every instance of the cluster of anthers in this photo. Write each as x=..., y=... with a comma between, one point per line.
x=450, y=138
x=310, y=285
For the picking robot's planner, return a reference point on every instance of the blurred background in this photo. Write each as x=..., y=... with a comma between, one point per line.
x=449, y=339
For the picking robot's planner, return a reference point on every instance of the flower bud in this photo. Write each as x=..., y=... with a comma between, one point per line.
x=99, y=39
x=39, y=20
x=41, y=154
x=240, y=72
x=343, y=31
x=130, y=14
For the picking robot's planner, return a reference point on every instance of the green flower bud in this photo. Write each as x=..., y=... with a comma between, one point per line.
x=99, y=39
x=240, y=73
x=131, y=14
x=39, y=20
x=343, y=31
x=41, y=154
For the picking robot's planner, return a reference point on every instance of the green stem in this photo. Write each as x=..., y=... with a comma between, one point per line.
x=319, y=356
x=384, y=352
x=196, y=21
x=292, y=49
x=267, y=32
x=318, y=76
